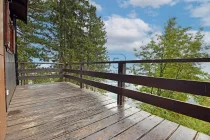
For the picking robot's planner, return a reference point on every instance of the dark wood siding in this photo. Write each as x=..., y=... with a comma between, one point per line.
x=10, y=75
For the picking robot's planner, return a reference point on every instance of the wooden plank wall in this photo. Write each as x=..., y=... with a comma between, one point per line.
x=2, y=76
x=10, y=75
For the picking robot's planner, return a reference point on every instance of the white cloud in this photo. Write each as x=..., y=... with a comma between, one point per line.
x=132, y=14
x=148, y=3
x=206, y=37
x=98, y=7
x=151, y=12
x=202, y=11
x=200, y=1
x=125, y=34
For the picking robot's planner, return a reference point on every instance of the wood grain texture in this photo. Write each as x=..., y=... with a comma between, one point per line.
x=97, y=126
x=64, y=111
x=2, y=75
x=2, y=99
x=183, y=133
x=162, y=131
x=140, y=129
x=201, y=136
x=118, y=127
x=72, y=126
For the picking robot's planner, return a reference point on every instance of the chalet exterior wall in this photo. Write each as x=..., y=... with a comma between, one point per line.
x=9, y=48
x=9, y=12
x=2, y=75
x=10, y=76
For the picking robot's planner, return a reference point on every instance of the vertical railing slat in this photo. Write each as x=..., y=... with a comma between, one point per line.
x=61, y=67
x=81, y=76
x=22, y=65
x=121, y=70
x=64, y=72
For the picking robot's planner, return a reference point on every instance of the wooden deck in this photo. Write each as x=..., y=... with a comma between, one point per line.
x=63, y=111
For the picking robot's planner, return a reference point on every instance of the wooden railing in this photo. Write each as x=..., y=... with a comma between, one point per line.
x=185, y=86
x=30, y=71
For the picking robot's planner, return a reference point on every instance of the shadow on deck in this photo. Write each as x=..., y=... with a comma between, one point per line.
x=64, y=111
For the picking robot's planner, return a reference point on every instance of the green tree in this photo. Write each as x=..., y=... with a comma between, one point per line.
x=62, y=31
x=33, y=38
x=175, y=42
x=80, y=34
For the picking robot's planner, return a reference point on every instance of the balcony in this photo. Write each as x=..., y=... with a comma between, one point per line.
x=63, y=110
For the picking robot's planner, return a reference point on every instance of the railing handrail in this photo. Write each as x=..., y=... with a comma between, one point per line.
x=40, y=63
x=196, y=111
x=156, y=82
x=184, y=60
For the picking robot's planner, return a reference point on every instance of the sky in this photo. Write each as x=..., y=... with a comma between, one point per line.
x=128, y=22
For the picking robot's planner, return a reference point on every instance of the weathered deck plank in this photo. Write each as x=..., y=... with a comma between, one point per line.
x=97, y=126
x=162, y=131
x=119, y=127
x=72, y=126
x=46, y=108
x=140, y=129
x=58, y=117
x=64, y=111
x=55, y=127
x=201, y=136
x=55, y=112
x=183, y=133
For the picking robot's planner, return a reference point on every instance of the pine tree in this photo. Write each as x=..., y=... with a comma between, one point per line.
x=33, y=38
x=62, y=31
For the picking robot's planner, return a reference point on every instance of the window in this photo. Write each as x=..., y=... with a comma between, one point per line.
x=12, y=38
x=9, y=30
x=6, y=24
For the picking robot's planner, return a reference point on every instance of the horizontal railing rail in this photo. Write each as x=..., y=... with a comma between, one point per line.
x=35, y=71
x=39, y=70
x=184, y=86
x=38, y=63
x=40, y=77
x=192, y=87
x=150, y=61
x=196, y=111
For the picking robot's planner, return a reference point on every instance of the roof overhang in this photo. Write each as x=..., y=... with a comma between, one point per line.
x=19, y=8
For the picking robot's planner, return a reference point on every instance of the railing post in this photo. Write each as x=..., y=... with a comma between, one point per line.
x=65, y=67
x=70, y=67
x=121, y=70
x=61, y=67
x=17, y=73
x=22, y=66
x=81, y=69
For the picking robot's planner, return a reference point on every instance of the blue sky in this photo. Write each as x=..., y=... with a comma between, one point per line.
x=128, y=22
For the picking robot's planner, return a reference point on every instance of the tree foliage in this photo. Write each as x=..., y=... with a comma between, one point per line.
x=175, y=42
x=62, y=31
